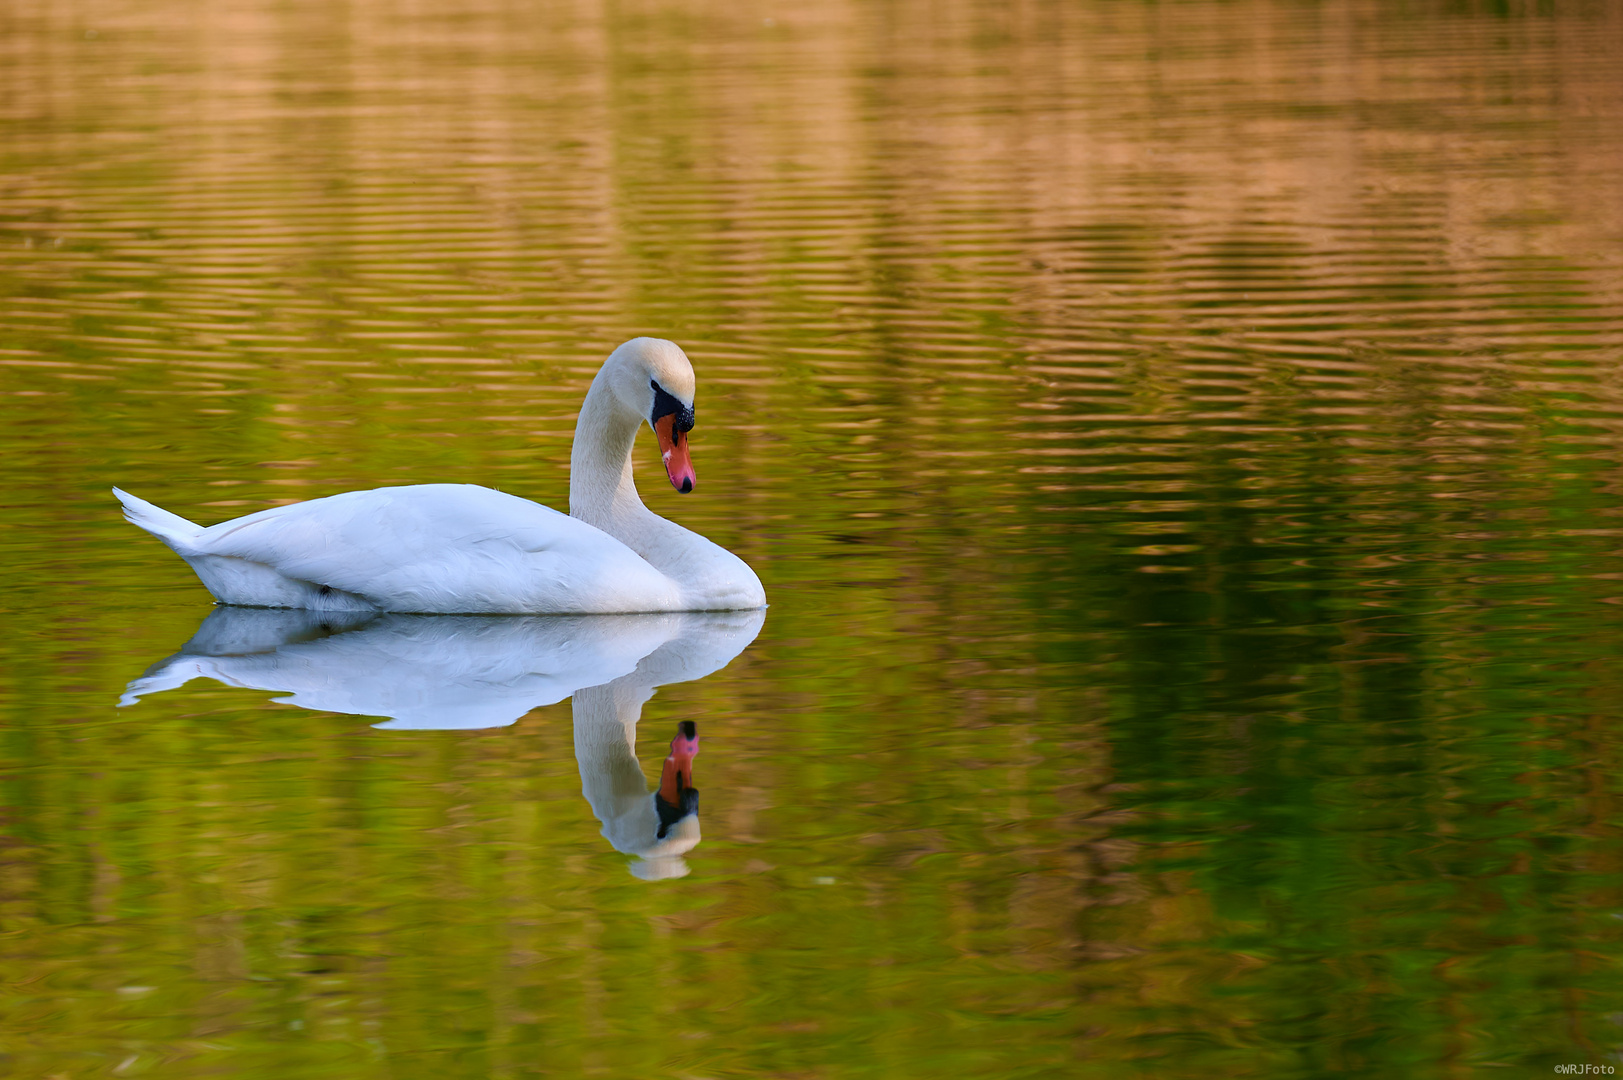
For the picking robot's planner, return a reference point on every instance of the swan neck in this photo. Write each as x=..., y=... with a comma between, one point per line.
x=601, y=489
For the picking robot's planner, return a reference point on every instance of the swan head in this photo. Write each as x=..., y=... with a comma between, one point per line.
x=677, y=799
x=653, y=379
x=676, y=813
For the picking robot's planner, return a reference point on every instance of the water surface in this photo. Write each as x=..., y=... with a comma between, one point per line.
x=1181, y=444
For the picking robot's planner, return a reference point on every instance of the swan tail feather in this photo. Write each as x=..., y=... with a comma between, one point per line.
x=235, y=579
x=168, y=674
x=172, y=529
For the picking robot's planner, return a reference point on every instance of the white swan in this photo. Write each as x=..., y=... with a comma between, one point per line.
x=462, y=549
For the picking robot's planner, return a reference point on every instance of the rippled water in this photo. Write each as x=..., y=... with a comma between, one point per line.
x=1181, y=443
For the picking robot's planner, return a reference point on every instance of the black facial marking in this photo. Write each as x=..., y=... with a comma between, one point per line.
x=669, y=815
x=665, y=405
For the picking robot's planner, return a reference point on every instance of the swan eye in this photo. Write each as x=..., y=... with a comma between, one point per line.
x=667, y=404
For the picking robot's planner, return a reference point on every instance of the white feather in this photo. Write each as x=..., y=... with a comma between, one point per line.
x=462, y=549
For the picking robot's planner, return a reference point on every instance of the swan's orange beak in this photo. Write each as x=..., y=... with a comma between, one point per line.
x=673, y=448
x=677, y=797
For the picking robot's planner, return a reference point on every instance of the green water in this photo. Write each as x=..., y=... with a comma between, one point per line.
x=1182, y=444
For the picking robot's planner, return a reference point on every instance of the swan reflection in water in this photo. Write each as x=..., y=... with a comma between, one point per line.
x=465, y=671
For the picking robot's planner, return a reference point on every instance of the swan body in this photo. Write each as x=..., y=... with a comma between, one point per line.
x=463, y=549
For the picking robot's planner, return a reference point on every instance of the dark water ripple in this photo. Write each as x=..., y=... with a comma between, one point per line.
x=1181, y=445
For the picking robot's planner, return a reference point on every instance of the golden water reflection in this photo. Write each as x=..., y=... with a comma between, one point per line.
x=1180, y=443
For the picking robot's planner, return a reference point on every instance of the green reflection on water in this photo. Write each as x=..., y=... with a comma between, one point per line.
x=1180, y=446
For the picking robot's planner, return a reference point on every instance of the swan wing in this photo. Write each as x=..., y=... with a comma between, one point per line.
x=445, y=548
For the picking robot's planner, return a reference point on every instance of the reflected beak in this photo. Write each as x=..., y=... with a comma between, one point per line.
x=677, y=797
x=673, y=448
